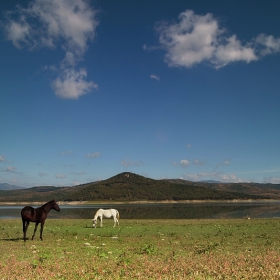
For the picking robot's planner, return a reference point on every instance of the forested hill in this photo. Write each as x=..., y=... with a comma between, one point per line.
x=132, y=187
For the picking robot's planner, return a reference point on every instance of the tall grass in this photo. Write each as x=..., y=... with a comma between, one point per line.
x=143, y=249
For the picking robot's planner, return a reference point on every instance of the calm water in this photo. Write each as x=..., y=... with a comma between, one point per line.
x=214, y=210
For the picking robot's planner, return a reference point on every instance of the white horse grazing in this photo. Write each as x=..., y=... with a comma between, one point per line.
x=109, y=213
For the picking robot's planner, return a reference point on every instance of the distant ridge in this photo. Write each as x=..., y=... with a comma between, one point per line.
x=211, y=181
x=129, y=187
x=6, y=186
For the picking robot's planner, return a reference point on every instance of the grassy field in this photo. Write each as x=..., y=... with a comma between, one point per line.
x=143, y=249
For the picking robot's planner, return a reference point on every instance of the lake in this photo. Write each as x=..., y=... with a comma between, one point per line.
x=197, y=210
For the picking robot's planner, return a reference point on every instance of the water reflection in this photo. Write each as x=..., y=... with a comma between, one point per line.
x=207, y=210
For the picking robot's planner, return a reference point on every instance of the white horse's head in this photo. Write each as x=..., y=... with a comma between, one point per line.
x=94, y=222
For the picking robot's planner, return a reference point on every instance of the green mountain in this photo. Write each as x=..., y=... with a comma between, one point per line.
x=271, y=191
x=131, y=187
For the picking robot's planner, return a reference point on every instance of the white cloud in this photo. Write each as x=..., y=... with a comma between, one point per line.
x=42, y=174
x=232, y=51
x=184, y=163
x=71, y=84
x=155, y=77
x=199, y=38
x=51, y=23
x=18, y=33
x=2, y=158
x=230, y=178
x=76, y=183
x=192, y=177
x=272, y=180
x=11, y=169
x=93, y=155
x=48, y=23
x=226, y=178
x=190, y=41
x=271, y=44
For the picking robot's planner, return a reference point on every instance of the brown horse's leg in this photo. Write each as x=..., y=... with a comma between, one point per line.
x=24, y=231
x=41, y=231
x=35, y=229
x=25, y=225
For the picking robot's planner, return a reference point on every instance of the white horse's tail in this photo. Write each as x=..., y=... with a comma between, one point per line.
x=118, y=215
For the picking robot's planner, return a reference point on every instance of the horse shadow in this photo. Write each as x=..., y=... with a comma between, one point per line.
x=11, y=239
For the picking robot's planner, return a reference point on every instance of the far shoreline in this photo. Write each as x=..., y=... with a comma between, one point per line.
x=110, y=202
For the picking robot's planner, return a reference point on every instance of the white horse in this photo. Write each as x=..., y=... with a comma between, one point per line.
x=109, y=213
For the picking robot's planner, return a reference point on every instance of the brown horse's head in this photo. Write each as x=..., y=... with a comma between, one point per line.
x=55, y=206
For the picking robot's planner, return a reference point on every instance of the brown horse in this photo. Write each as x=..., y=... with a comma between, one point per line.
x=38, y=216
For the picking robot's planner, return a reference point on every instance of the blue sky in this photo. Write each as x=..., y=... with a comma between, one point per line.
x=164, y=89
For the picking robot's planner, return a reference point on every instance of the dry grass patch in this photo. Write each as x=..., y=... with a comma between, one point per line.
x=143, y=249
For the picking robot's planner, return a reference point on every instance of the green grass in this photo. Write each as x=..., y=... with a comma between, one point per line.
x=143, y=249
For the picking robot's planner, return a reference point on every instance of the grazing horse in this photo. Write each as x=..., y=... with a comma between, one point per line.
x=38, y=216
x=109, y=213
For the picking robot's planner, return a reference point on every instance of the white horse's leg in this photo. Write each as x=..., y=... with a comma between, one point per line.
x=100, y=221
x=116, y=217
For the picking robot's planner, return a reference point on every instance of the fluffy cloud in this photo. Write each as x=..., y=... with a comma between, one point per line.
x=72, y=84
x=230, y=178
x=155, y=77
x=269, y=43
x=184, y=163
x=272, y=180
x=199, y=38
x=50, y=23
